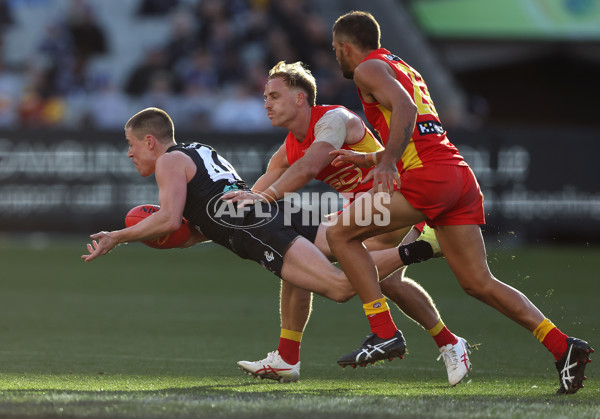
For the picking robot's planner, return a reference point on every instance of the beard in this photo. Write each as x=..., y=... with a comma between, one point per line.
x=347, y=72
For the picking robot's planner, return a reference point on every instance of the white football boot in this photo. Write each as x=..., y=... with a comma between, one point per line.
x=272, y=367
x=456, y=358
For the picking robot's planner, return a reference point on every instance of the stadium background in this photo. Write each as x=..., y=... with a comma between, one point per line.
x=144, y=333
x=515, y=83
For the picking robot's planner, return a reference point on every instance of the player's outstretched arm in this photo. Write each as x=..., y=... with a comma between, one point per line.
x=102, y=243
x=293, y=178
x=171, y=180
x=277, y=166
x=305, y=169
x=376, y=81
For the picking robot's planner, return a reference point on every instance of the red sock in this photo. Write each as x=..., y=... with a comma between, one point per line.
x=445, y=337
x=556, y=342
x=289, y=350
x=382, y=324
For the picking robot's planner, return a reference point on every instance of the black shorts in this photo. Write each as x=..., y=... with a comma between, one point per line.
x=267, y=243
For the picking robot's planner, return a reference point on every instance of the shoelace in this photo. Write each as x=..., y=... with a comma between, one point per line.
x=370, y=349
x=450, y=357
x=566, y=376
x=270, y=357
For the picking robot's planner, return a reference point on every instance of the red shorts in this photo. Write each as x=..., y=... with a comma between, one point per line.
x=420, y=226
x=446, y=194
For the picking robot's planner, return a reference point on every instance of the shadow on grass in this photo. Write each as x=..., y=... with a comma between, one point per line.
x=351, y=398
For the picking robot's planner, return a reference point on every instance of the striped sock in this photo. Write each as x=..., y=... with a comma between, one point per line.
x=289, y=346
x=552, y=338
x=380, y=318
x=442, y=335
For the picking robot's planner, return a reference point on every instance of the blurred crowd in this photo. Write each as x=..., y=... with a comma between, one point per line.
x=209, y=74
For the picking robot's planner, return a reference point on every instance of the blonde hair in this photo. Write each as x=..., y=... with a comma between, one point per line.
x=296, y=75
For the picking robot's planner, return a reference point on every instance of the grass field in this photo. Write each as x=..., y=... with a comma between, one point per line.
x=144, y=333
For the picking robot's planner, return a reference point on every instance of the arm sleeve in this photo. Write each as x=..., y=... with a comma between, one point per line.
x=331, y=128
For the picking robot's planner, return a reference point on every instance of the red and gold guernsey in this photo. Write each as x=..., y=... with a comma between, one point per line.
x=342, y=179
x=428, y=143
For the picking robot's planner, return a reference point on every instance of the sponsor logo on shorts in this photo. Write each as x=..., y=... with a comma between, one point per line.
x=269, y=256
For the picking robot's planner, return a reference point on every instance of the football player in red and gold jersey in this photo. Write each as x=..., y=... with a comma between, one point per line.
x=432, y=183
x=314, y=131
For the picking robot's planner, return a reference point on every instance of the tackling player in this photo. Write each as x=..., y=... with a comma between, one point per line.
x=432, y=182
x=314, y=131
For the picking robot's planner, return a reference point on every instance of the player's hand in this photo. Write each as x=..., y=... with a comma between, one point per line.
x=243, y=198
x=385, y=177
x=102, y=243
x=343, y=157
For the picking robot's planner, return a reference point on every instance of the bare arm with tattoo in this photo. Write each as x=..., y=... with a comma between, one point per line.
x=377, y=83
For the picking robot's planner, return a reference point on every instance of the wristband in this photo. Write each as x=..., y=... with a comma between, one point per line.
x=275, y=192
x=371, y=159
x=374, y=158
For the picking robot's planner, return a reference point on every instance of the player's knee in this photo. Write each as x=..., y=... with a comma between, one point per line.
x=394, y=283
x=344, y=290
x=477, y=289
x=342, y=296
x=338, y=233
x=478, y=283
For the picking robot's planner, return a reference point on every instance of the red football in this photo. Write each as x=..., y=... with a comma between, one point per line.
x=168, y=241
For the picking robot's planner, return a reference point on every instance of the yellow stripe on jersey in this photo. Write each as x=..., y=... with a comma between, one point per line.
x=410, y=157
x=386, y=114
x=424, y=107
x=367, y=145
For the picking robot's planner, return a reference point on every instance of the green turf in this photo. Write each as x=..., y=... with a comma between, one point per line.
x=143, y=333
